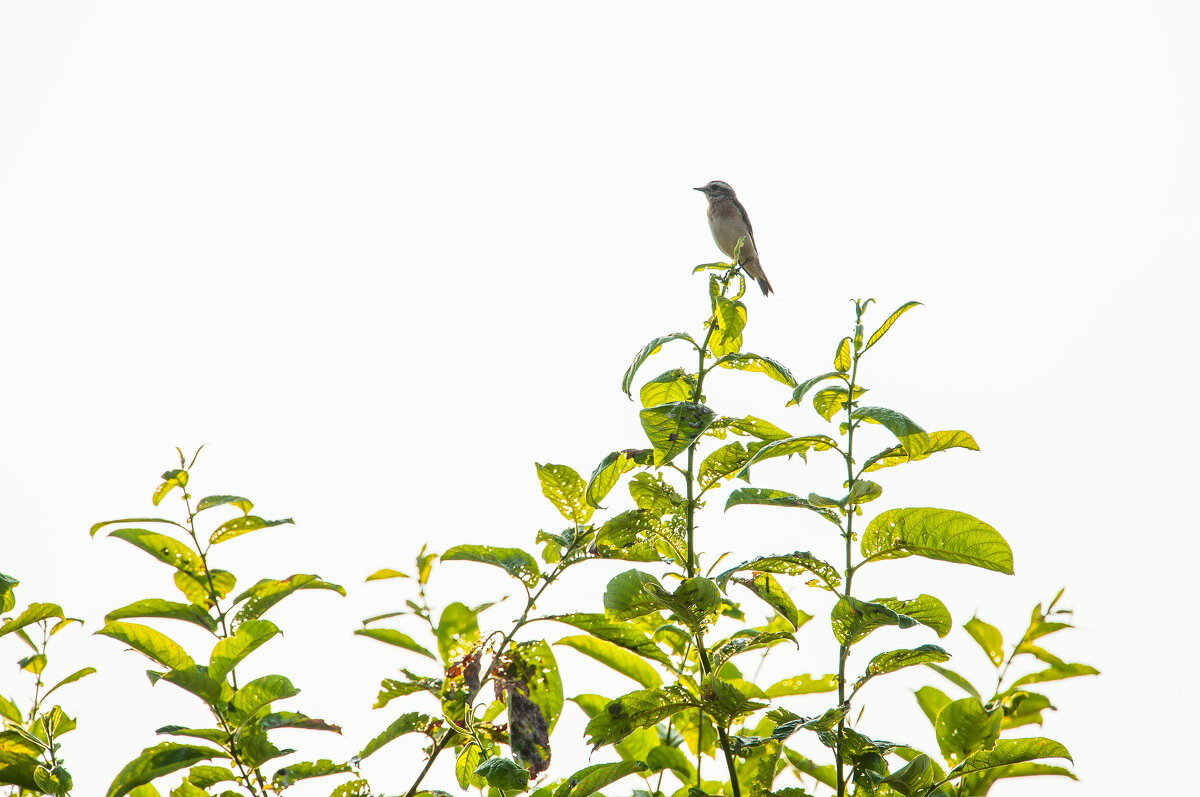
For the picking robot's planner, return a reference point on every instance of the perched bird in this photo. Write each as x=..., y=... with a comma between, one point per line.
x=728, y=221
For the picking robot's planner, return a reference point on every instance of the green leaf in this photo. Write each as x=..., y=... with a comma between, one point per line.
x=938, y=441
x=830, y=400
x=626, y=598
x=842, y=360
x=161, y=759
x=72, y=678
x=725, y=703
x=7, y=599
x=514, y=561
x=988, y=637
x=671, y=428
x=412, y=722
x=464, y=767
x=914, y=778
x=725, y=651
x=792, y=564
x=391, y=636
x=912, y=437
x=262, y=692
x=504, y=774
x=390, y=688
x=157, y=607
x=940, y=534
x=205, y=775
x=729, y=318
x=565, y=488
x=387, y=572
x=932, y=700
x=616, y=658
x=227, y=653
x=803, y=685
x=723, y=463
x=1010, y=751
x=457, y=631
x=243, y=525
x=155, y=644
x=899, y=659
x=293, y=773
x=163, y=548
x=1055, y=674
x=749, y=426
x=771, y=592
x=621, y=633
x=214, y=735
x=104, y=523
x=765, y=497
x=294, y=719
x=805, y=386
x=609, y=472
x=696, y=601
x=9, y=711
x=673, y=385
x=853, y=619
x=269, y=591
x=362, y=788
x=196, y=682
x=650, y=348
x=34, y=613
x=762, y=365
x=244, y=504
x=196, y=587
x=886, y=325
x=641, y=709
x=171, y=480
x=55, y=781
x=592, y=779
x=965, y=727
x=925, y=609
x=956, y=679
x=34, y=664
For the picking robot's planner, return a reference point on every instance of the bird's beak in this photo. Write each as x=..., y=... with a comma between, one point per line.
x=697, y=189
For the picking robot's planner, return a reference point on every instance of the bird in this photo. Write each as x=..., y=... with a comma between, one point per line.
x=728, y=221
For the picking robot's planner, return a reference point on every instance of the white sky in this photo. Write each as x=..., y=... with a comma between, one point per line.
x=382, y=257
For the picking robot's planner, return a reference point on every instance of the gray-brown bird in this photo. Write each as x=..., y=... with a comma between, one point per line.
x=728, y=221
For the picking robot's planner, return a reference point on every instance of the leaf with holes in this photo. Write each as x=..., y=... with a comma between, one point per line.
x=641, y=709
x=758, y=496
x=243, y=525
x=611, y=469
x=565, y=489
x=729, y=318
x=754, y=362
x=649, y=349
x=791, y=564
x=671, y=428
x=163, y=548
x=938, y=441
x=514, y=561
x=268, y=592
x=673, y=385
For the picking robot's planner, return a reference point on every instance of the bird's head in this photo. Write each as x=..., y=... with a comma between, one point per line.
x=717, y=189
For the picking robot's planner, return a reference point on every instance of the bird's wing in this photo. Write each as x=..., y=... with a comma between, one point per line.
x=745, y=218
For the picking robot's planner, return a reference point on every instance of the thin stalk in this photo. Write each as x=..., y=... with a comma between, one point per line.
x=844, y=652
x=705, y=663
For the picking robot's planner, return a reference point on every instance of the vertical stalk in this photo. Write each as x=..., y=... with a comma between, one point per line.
x=844, y=651
x=690, y=478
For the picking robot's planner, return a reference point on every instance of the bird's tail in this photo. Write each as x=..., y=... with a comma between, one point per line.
x=755, y=270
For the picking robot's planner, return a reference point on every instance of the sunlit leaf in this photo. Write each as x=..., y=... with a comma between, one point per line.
x=673, y=385
x=940, y=534
x=412, y=722
x=729, y=317
x=34, y=613
x=771, y=592
x=269, y=591
x=171, y=480
x=504, y=774
x=163, y=548
x=965, y=727
x=244, y=504
x=457, y=631
x=791, y=564
x=894, y=660
x=932, y=700
x=228, y=653
x=243, y=525
x=912, y=437
x=649, y=349
x=956, y=679
x=723, y=463
x=830, y=400
x=841, y=359
x=759, y=364
x=641, y=709
x=625, y=596
x=70, y=679
x=671, y=428
x=803, y=685
x=516, y=562
x=1011, y=751
x=766, y=497
x=386, y=572
x=154, y=762
x=621, y=633
x=261, y=692
x=609, y=472
x=196, y=588
x=304, y=770
x=156, y=607
x=886, y=325
x=803, y=388
x=853, y=619
x=938, y=441
x=616, y=658
x=391, y=636
x=1056, y=674
x=150, y=642
x=988, y=637
x=565, y=488
x=591, y=779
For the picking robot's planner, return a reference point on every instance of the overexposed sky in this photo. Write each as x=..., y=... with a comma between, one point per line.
x=382, y=257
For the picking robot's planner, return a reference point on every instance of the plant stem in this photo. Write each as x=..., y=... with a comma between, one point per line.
x=844, y=652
